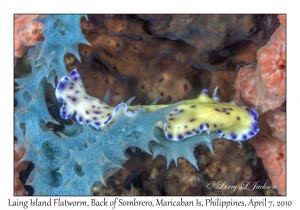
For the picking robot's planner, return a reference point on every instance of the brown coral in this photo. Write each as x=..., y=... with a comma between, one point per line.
x=152, y=65
x=214, y=36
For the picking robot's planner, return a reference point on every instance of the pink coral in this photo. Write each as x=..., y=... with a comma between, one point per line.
x=282, y=19
x=272, y=152
x=277, y=122
x=245, y=85
x=26, y=33
x=264, y=86
x=270, y=145
x=18, y=186
x=273, y=149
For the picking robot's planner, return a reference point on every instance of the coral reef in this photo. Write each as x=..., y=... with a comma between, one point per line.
x=264, y=87
x=131, y=59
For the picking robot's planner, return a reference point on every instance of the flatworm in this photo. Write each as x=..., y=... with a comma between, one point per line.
x=89, y=110
x=229, y=120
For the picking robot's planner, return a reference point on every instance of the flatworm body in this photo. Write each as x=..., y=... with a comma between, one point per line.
x=191, y=118
x=89, y=110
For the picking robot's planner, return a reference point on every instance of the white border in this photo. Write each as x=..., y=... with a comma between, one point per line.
x=186, y=7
